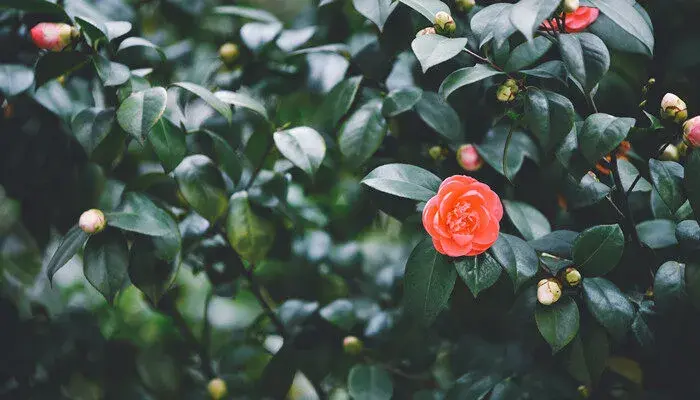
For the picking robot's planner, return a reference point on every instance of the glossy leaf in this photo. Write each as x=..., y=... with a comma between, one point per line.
x=669, y=285
x=597, y=250
x=527, y=219
x=105, y=262
x=440, y=116
x=626, y=16
x=254, y=14
x=608, y=305
x=517, y=258
x=404, y=180
x=132, y=42
x=667, y=178
x=218, y=105
x=377, y=11
x=140, y=111
x=249, y=234
x=370, y=382
x=150, y=274
x=71, y=243
x=362, y=133
x=91, y=126
x=242, y=100
x=466, y=76
x=340, y=99
x=401, y=100
x=143, y=217
x=479, y=272
x=303, y=146
x=52, y=65
x=527, y=54
x=527, y=15
x=15, y=79
x=168, y=142
x=435, y=49
x=427, y=8
x=657, y=233
x=558, y=323
x=586, y=58
x=550, y=117
x=601, y=134
x=202, y=186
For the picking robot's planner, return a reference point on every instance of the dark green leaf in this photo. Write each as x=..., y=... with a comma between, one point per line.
x=516, y=257
x=401, y=100
x=278, y=376
x=428, y=282
x=168, y=142
x=377, y=11
x=493, y=146
x=230, y=161
x=15, y=79
x=132, y=42
x=493, y=22
x=242, y=100
x=628, y=174
x=608, y=305
x=362, y=134
x=249, y=234
x=558, y=243
x=550, y=117
x=433, y=49
x=254, y=14
x=588, y=354
x=303, y=146
x=601, y=134
x=624, y=14
x=202, y=186
x=466, y=76
x=339, y=100
x=529, y=221
x=527, y=15
x=141, y=216
x=692, y=283
x=369, y=382
x=91, y=126
x=527, y=54
x=558, y=323
x=586, y=58
x=548, y=70
x=140, y=111
x=150, y=274
x=597, y=250
x=440, y=116
x=33, y=6
x=688, y=235
x=479, y=272
x=585, y=193
x=474, y=385
x=669, y=285
x=105, y=262
x=218, y=105
x=404, y=180
x=427, y=8
x=52, y=65
x=667, y=177
x=657, y=233
x=71, y=243
x=340, y=313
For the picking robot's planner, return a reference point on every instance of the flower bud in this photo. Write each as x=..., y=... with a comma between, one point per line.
x=505, y=94
x=217, y=388
x=673, y=108
x=438, y=153
x=691, y=132
x=671, y=153
x=584, y=391
x=651, y=81
x=572, y=276
x=426, y=31
x=465, y=5
x=53, y=36
x=92, y=221
x=352, y=345
x=229, y=53
x=548, y=291
x=570, y=6
x=468, y=158
x=444, y=23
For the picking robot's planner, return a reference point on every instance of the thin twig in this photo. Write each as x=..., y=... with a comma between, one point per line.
x=260, y=165
x=267, y=307
x=631, y=227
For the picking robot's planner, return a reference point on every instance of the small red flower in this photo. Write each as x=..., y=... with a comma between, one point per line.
x=576, y=21
x=463, y=218
x=52, y=35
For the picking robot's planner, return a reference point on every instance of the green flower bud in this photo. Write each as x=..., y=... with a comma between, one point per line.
x=671, y=153
x=438, y=153
x=505, y=94
x=673, y=108
x=217, y=388
x=229, y=53
x=570, y=6
x=92, y=221
x=573, y=277
x=465, y=5
x=548, y=291
x=444, y=23
x=352, y=345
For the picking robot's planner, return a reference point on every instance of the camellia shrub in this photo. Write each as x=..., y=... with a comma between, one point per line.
x=366, y=199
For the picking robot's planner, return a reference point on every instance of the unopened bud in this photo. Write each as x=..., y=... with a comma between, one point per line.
x=229, y=53
x=505, y=94
x=651, y=81
x=53, y=36
x=465, y=5
x=572, y=276
x=691, y=132
x=62, y=80
x=426, y=31
x=438, y=153
x=92, y=221
x=468, y=158
x=673, y=108
x=444, y=23
x=548, y=291
x=352, y=345
x=670, y=153
x=584, y=391
x=570, y=6
x=217, y=388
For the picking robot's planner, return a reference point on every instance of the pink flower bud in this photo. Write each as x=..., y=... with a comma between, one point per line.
x=691, y=132
x=468, y=158
x=53, y=36
x=352, y=345
x=673, y=108
x=92, y=221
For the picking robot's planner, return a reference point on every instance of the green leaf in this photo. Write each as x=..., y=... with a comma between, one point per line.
x=517, y=257
x=550, y=116
x=521, y=146
x=466, y=76
x=143, y=217
x=440, y=117
x=340, y=313
x=586, y=58
x=117, y=29
x=15, y=79
x=369, y=382
x=624, y=14
x=690, y=181
x=657, y=233
x=91, y=126
x=478, y=273
x=404, y=180
x=150, y=274
x=203, y=93
x=168, y=142
x=249, y=234
x=628, y=174
x=692, y=283
x=254, y=14
x=52, y=65
x=667, y=177
x=558, y=323
x=71, y=243
x=474, y=385
x=527, y=15
x=377, y=11
x=303, y=146
x=339, y=100
x=493, y=22
x=111, y=73
x=257, y=35
x=242, y=100
x=229, y=160
x=428, y=282
x=608, y=305
x=601, y=134
x=548, y=70
x=559, y=243
x=616, y=39
x=132, y=42
x=588, y=354
x=167, y=244
x=433, y=49
x=527, y=54
x=362, y=133
x=585, y=193
x=291, y=39
x=529, y=221
x=140, y=111
x=202, y=186
x=428, y=8
x=278, y=375
x=669, y=286
x=93, y=31
x=105, y=262
x=33, y=6
x=597, y=250
x=401, y=100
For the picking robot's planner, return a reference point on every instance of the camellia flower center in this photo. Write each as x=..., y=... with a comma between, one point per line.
x=462, y=219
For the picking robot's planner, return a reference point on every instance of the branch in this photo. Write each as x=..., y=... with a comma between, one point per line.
x=629, y=219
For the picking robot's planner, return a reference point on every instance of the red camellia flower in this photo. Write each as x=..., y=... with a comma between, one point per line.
x=52, y=35
x=576, y=21
x=463, y=218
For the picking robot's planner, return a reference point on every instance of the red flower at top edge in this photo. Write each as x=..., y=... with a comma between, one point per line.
x=576, y=21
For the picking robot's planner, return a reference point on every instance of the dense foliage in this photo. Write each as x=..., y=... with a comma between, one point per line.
x=367, y=199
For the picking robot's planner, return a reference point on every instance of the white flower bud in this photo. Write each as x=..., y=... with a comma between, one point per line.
x=92, y=221
x=548, y=291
